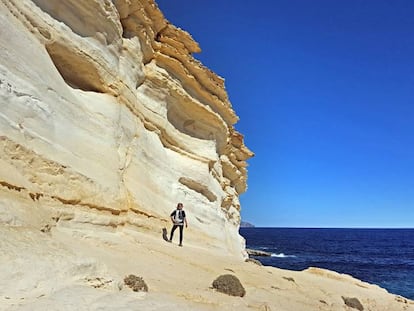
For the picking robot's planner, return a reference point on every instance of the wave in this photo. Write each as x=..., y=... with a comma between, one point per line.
x=281, y=255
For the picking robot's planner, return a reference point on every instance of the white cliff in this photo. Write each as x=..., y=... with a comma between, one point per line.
x=105, y=113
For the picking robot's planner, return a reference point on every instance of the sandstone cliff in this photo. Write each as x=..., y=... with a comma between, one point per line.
x=107, y=120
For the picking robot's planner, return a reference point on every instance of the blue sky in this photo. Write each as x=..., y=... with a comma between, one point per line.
x=325, y=94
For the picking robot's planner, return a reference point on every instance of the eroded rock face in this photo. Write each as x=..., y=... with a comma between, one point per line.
x=107, y=120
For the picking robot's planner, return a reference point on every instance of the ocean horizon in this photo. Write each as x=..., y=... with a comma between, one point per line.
x=368, y=228
x=381, y=256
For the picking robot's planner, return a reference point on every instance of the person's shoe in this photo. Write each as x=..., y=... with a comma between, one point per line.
x=180, y=245
x=169, y=241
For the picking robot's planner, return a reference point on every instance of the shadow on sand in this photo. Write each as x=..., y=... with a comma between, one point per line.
x=164, y=234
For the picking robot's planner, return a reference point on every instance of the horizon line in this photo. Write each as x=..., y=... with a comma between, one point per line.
x=296, y=227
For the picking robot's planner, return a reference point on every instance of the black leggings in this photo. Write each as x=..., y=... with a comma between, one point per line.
x=181, y=232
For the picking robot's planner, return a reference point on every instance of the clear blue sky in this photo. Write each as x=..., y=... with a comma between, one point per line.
x=325, y=94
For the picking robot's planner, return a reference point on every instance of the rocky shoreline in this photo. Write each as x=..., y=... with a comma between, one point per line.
x=257, y=253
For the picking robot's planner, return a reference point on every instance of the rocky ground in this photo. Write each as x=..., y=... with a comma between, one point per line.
x=63, y=266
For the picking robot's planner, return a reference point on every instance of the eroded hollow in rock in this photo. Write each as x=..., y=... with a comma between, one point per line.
x=75, y=68
x=198, y=187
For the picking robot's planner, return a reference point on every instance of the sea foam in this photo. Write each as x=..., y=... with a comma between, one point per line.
x=281, y=255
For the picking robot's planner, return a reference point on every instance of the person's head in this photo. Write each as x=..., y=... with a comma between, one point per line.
x=180, y=206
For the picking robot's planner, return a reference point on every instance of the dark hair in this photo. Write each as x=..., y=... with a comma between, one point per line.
x=179, y=204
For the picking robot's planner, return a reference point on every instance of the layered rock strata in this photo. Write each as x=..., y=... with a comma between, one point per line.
x=107, y=120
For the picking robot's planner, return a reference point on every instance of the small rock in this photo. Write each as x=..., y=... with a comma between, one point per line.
x=353, y=303
x=137, y=283
x=46, y=228
x=257, y=253
x=230, y=285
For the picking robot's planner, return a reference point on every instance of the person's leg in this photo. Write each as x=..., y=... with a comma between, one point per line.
x=181, y=235
x=172, y=231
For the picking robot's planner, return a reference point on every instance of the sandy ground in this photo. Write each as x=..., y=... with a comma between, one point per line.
x=83, y=269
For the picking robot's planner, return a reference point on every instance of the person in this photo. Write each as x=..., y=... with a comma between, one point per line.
x=178, y=219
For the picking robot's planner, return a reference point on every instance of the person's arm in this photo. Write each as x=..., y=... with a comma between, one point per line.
x=186, y=224
x=172, y=217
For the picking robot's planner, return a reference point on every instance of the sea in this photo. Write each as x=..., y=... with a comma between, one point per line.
x=379, y=256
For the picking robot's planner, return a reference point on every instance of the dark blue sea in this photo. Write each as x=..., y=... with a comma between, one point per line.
x=380, y=256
